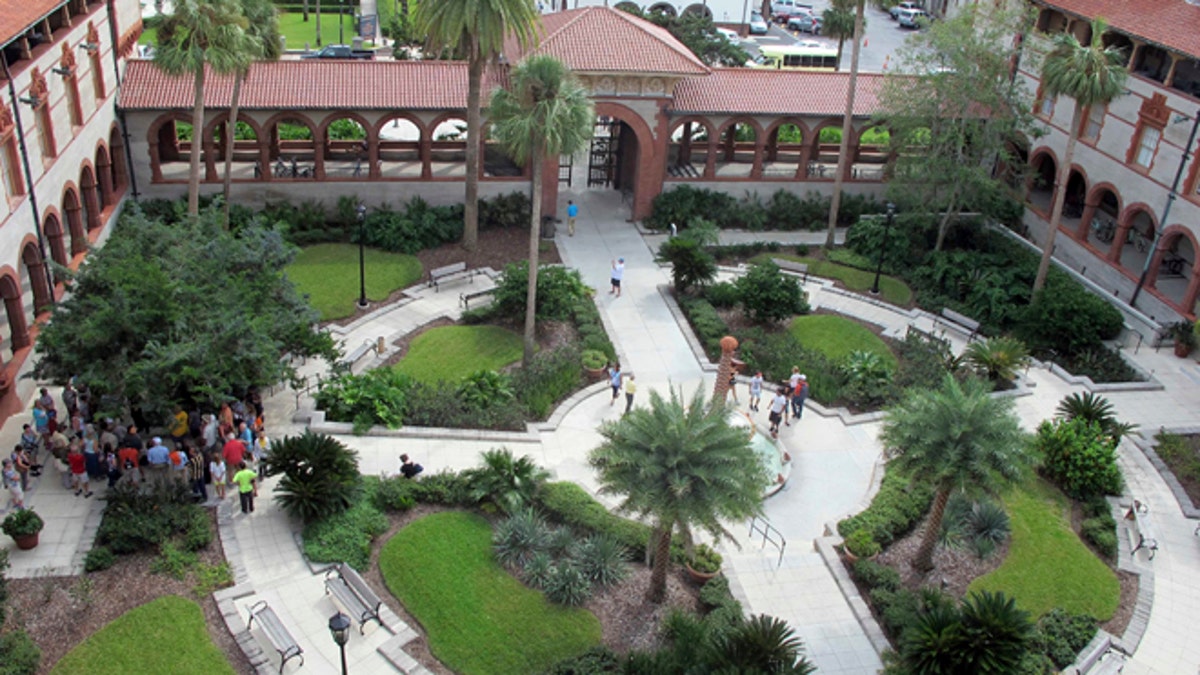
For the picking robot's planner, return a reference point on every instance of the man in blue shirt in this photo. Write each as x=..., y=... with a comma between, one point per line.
x=157, y=456
x=572, y=212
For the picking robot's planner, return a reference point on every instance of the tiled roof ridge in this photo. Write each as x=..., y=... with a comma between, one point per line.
x=650, y=30
x=645, y=25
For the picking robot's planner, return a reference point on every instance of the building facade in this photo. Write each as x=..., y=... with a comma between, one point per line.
x=63, y=167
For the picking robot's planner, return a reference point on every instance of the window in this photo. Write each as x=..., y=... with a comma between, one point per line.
x=1045, y=106
x=1147, y=145
x=1093, y=122
x=73, y=108
x=9, y=174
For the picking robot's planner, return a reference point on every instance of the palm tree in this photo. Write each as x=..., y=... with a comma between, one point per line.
x=262, y=42
x=1091, y=75
x=838, y=22
x=544, y=113
x=506, y=480
x=760, y=644
x=200, y=34
x=836, y=201
x=682, y=466
x=956, y=437
x=476, y=28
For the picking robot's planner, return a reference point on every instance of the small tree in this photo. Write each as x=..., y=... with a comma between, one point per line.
x=320, y=475
x=768, y=295
x=1079, y=457
x=690, y=264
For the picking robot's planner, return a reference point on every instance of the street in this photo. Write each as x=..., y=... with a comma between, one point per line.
x=883, y=38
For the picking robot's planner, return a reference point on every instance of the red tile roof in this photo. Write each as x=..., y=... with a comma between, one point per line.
x=1174, y=24
x=16, y=16
x=292, y=85
x=603, y=39
x=776, y=92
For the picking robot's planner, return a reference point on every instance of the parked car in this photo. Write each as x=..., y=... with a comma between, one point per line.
x=895, y=11
x=340, y=52
x=730, y=35
x=910, y=18
x=758, y=25
x=809, y=23
x=782, y=10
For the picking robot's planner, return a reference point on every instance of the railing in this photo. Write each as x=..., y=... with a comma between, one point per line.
x=769, y=534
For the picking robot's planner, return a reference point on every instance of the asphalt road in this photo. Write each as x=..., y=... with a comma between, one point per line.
x=883, y=38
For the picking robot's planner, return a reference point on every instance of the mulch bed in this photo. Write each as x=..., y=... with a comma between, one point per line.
x=627, y=620
x=1189, y=480
x=497, y=247
x=59, y=613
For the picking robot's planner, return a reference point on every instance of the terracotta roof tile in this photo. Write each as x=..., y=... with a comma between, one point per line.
x=603, y=39
x=291, y=85
x=16, y=16
x=1174, y=24
x=776, y=92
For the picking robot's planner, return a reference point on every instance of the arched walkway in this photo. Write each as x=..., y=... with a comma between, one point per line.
x=71, y=207
x=54, y=239
x=1174, y=270
x=34, y=274
x=18, y=327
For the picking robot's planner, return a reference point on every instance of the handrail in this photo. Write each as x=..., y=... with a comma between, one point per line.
x=766, y=530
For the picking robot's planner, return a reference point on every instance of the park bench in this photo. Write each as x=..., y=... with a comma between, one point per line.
x=276, y=632
x=465, y=299
x=1139, y=515
x=353, y=595
x=456, y=270
x=1101, y=657
x=793, y=267
x=347, y=363
x=962, y=322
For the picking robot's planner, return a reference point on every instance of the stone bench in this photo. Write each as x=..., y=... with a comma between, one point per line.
x=1100, y=657
x=1139, y=515
x=793, y=267
x=279, y=636
x=465, y=299
x=352, y=594
x=450, y=272
x=962, y=322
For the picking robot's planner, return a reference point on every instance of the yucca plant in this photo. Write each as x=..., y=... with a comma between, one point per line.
x=567, y=585
x=519, y=537
x=601, y=558
x=1097, y=409
x=999, y=358
x=761, y=644
x=320, y=475
x=536, y=571
x=509, y=482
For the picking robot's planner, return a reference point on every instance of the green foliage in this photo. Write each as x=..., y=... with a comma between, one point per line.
x=891, y=289
x=690, y=264
x=1095, y=409
x=181, y=312
x=760, y=644
x=173, y=561
x=861, y=544
x=1065, y=317
x=212, y=577
x=566, y=585
x=558, y=290
x=1061, y=635
x=874, y=575
x=98, y=559
x=593, y=359
x=775, y=354
x=1180, y=456
x=722, y=295
x=375, y=397
x=896, y=508
x=1101, y=532
x=20, y=654
x=320, y=475
x=705, y=560
x=1079, y=457
x=22, y=522
x=1092, y=74
x=444, y=487
x=987, y=634
x=505, y=211
x=451, y=353
x=346, y=536
x=1101, y=364
x=601, y=558
x=483, y=388
x=437, y=405
x=418, y=227
x=519, y=537
x=707, y=324
x=998, y=358
x=768, y=295
x=505, y=480
x=572, y=505
x=595, y=661
x=327, y=274
x=868, y=377
x=784, y=210
x=697, y=32
x=137, y=521
x=871, y=240
x=395, y=493
x=346, y=130
x=982, y=525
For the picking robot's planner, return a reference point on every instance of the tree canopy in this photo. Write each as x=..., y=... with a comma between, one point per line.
x=179, y=313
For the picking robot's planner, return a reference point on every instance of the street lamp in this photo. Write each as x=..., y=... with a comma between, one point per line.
x=887, y=230
x=362, y=240
x=339, y=628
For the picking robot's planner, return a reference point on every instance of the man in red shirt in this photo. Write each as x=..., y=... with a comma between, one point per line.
x=79, y=477
x=234, y=452
x=127, y=461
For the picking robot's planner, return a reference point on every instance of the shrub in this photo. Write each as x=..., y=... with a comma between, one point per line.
x=483, y=389
x=1067, y=318
x=601, y=558
x=722, y=295
x=715, y=593
x=705, y=560
x=140, y=521
x=685, y=203
x=395, y=493
x=690, y=264
x=768, y=295
x=775, y=354
x=595, y=661
x=509, y=482
x=517, y=538
x=572, y=505
x=593, y=359
x=1095, y=409
x=558, y=290
x=375, y=397
x=566, y=585
x=997, y=358
x=173, y=561
x=445, y=487
x=510, y=210
x=549, y=378
x=707, y=324
x=20, y=652
x=987, y=525
x=437, y=404
x=1101, y=364
x=861, y=544
x=1061, y=635
x=347, y=536
x=874, y=575
x=868, y=378
x=320, y=475
x=418, y=227
x=1079, y=458
x=98, y=559
x=743, y=251
x=1101, y=533
x=896, y=508
x=536, y=571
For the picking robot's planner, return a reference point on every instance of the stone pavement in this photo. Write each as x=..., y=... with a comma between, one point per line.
x=836, y=466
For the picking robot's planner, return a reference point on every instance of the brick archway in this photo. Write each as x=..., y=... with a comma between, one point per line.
x=649, y=162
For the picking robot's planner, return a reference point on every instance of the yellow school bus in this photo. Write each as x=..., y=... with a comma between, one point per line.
x=797, y=57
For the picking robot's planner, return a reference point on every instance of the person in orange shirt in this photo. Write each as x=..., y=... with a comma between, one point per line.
x=127, y=460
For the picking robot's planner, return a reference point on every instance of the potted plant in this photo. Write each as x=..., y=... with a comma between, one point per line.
x=23, y=526
x=860, y=544
x=1184, y=334
x=594, y=362
x=704, y=564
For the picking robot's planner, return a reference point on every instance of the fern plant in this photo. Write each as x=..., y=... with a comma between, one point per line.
x=999, y=358
x=1096, y=409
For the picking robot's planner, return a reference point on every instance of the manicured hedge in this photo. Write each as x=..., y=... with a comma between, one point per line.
x=573, y=506
x=896, y=508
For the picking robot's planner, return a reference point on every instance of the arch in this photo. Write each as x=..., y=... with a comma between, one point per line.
x=249, y=155
x=402, y=146
x=688, y=155
x=291, y=158
x=167, y=160
x=664, y=8
x=1044, y=172
x=788, y=157
x=494, y=160
x=347, y=157
x=91, y=196
x=1175, y=268
x=823, y=158
x=10, y=292
x=35, y=268
x=1076, y=193
x=120, y=172
x=1101, y=210
x=53, y=229
x=71, y=207
x=1135, y=232
x=730, y=148
x=104, y=174
x=870, y=148
x=697, y=8
x=647, y=162
x=448, y=145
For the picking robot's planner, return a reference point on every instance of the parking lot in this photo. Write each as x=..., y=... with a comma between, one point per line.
x=883, y=38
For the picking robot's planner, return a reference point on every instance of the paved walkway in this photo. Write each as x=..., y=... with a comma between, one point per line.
x=834, y=468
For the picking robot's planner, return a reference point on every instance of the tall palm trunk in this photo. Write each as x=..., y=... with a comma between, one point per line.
x=662, y=558
x=537, y=158
x=197, y=144
x=841, y=44
x=474, y=133
x=305, y=11
x=318, y=23
x=923, y=561
x=230, y=139
x=1060, y=196
x=835, y=202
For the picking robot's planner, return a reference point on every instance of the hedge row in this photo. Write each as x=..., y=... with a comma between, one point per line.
x=895, y=510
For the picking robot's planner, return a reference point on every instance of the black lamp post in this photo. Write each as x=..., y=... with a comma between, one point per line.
x=362, y=239
x=339, y=628
x=341, y=22
x=887, y=230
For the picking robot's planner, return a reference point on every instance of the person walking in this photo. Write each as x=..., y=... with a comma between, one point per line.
x=572, y=213
x=732, y=391
x=756, y=384
x=614, y=381
x=247, y=483
x=799, y=395
x=630, y=390
x=12, y=481
x=618, y=273
x=778, y=410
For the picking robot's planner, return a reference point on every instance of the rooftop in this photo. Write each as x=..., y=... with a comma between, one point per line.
x=1174, y=24
x=16, y=16
x=746, y=91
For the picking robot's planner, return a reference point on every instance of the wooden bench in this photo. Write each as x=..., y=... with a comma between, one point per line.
x=353, y=595
x=352, y=358
x=457, y=270
x=1101, y=658
x=793, y=267
x=960, y=321
x=276, y=632
x=1139, y=514
x=465, y=299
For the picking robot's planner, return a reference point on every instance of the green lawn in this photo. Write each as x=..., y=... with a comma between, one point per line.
x=328, y=273
x=1047, y=564
x=296, y=32
x=148, y=36
x=478, y=617
x=451, y=353
x=836, y=337
x=167, y=635
x=891, y=289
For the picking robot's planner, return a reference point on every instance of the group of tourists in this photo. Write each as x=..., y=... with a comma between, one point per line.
x=787, y=402
x=226, y=448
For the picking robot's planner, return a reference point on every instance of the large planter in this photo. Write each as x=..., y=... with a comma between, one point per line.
x=594, y=374
x=1182, y=349
x=700, y=577
x=26, y=541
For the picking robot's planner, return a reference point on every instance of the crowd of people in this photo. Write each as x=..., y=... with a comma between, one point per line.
x=223, y=449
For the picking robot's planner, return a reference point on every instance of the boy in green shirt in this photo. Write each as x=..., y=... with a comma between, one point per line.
x=247, y=482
